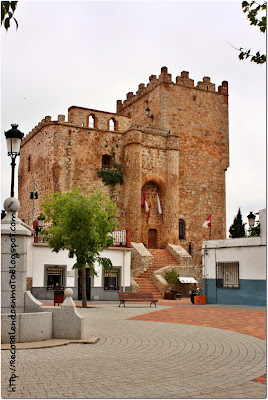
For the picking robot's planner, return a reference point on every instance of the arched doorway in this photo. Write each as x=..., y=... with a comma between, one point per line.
x=152, y=239
x=151, y=215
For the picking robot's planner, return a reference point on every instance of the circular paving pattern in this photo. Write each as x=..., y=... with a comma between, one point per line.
x=140, y=359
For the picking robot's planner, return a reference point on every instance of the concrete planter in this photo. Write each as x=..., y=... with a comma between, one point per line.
x=170, y=296
x=198, y=300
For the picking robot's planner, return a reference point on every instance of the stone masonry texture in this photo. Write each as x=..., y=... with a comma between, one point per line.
x=180, y=151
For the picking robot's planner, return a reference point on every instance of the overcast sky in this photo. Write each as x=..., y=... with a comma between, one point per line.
x=90, y=54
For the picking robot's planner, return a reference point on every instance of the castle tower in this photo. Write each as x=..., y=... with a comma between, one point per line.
x=172, y=141
x=185, y=146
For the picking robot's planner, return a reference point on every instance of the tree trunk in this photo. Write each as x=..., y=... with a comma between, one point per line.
x=84, y=287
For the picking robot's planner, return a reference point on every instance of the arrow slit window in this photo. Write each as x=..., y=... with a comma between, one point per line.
x=181, y=229
x=29, y=163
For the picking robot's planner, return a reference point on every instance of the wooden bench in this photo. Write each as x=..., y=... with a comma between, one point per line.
x=137, y=296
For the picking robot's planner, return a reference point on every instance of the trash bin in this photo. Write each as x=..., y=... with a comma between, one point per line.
x=193, y=294
x=58, y=297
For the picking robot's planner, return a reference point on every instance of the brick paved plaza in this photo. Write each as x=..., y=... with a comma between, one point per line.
x=174, y=351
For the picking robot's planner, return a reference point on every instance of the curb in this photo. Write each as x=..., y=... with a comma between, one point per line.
x=50, y=343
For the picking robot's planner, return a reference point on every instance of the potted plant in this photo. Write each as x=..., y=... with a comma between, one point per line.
x=172, y=278
x=41, y=218
x=200, y=298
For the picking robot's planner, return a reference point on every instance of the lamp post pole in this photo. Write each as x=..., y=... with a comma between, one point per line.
x=33, y=203
x=13, y=164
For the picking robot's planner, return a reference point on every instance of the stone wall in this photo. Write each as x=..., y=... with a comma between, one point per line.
x=197, y=116
x=180, y=151
x=141, y=259
x=192, y=271
x=63, y=157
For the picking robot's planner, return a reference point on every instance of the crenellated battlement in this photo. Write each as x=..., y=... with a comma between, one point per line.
x=45, y=121
x=182, y=80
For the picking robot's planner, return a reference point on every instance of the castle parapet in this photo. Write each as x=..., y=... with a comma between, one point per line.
x=164, y=76
x=182, y=80
x=45, y=121
x=223, y=89
x=206, y=85
x=61, y=118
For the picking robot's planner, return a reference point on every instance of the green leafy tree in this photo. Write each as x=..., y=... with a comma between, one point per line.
x=82, y=223
x=7, y=10
x=237, y=229
x=254, y=11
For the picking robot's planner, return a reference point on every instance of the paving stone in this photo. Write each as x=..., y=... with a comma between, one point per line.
x=137, y=358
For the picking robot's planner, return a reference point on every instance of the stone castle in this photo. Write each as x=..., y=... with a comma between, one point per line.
x=171, y=139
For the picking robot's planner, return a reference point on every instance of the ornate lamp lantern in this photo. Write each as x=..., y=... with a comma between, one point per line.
x=13, y=138
x=251, y=219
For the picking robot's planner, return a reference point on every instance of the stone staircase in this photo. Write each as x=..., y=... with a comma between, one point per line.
x=162, y=258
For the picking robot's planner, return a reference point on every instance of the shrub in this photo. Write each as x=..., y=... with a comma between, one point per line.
x=171, y=277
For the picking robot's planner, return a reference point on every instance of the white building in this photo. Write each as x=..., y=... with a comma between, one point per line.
x=48, y=271
x=234, y=270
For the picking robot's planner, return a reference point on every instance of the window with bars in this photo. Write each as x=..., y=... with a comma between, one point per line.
x=227, y=274
x=55, y=277
x=111, y=279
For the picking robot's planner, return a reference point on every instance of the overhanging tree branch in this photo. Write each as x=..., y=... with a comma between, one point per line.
x=252, y=10
x=7, y=10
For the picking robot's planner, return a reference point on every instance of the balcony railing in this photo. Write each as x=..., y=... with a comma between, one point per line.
x=120, y=238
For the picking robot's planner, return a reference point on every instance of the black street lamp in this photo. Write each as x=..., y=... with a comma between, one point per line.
x=13, y=138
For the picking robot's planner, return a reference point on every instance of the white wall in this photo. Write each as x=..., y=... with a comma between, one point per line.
x=41, y=255
x=252, y=260
x=117, y=257
x=263, y=223
x=249, y=251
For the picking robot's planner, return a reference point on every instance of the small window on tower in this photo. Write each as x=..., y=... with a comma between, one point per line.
x=29, y=164
x=106, y=161
x=91, y=122
x=181, y=229
x=111, y=124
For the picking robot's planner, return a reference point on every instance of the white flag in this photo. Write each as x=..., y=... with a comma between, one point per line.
x=146, y=206
x=207, y=222
x=158, y=204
